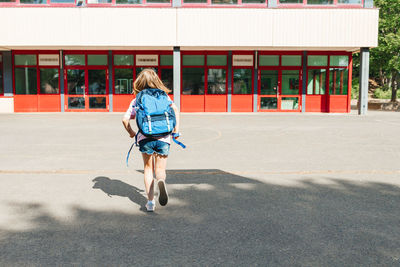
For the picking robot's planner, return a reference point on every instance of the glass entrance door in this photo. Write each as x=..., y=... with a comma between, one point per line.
x=279, y=90
x=86, y=82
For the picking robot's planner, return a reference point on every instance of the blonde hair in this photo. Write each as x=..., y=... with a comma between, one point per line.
x=148, y=78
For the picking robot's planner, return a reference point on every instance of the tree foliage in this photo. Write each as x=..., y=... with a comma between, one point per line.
x=385, y=59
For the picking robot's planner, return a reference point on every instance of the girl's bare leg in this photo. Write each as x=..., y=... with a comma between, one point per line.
x=160, y=166
x=148, y=175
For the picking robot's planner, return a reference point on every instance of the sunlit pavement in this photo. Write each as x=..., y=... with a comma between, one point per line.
x=250, y=189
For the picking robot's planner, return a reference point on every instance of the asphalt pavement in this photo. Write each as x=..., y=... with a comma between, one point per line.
x=249, y=190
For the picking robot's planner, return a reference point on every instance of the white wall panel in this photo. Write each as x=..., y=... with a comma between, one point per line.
x=160, y=28
x=87, y=27
x=6, y=105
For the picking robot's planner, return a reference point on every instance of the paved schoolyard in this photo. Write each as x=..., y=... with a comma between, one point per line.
x=250, y=189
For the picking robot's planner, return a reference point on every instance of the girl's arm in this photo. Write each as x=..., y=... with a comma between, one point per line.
x=128, y=127
x=175, y=108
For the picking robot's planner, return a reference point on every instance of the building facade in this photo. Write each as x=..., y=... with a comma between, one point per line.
x=215, y=55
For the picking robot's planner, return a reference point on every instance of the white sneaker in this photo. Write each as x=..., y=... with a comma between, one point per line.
x=151, y=205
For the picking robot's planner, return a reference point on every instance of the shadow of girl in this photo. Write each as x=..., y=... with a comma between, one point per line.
x=119, y=188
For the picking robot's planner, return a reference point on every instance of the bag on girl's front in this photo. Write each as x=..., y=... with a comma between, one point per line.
x=154, y=115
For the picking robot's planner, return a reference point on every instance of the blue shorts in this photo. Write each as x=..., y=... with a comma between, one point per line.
x=151, y=146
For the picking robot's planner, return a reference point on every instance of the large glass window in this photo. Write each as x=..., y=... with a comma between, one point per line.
x=354, y=2
x=25, y=60
x=216, y=60
x=49, y=81
x=7, y=1
x=290, y=82
x=128, y=2
x=123, y=60
x=97, y=82
x=319, y=2
x=192, y=60
x=99, y=1
x=242, y=81
x=75, y=82
x=224, y=2
x=33, y=1
x=253, y=1
x=317, y=60
x=167, y=77
x=195, y=1
x=338, y=81
x=99, y=60
x=193, y=81
x=123, y=81
x=291, y=60
x=316, y=81
x=25, y=81
x=75, y=60
x=216, y=81
x=290, y=1
x=269, y=60
x=269, y=82
x=62, y=1
x=339, y=61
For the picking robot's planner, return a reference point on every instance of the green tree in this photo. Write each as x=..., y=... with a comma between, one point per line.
x=385, y=59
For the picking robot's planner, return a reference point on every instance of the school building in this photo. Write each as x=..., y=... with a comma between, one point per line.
x=215, y=55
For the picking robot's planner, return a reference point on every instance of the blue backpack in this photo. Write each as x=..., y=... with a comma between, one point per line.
x=154, y=115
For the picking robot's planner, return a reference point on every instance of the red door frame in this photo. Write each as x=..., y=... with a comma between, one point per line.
x=86, y=68
x=242, y=102
x=36, y=102
x=280, y=68
x=327, y=102
x=209, y=102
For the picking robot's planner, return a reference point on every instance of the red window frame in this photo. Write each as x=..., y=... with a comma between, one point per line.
x=207, y=98
x=239, y=4
x=86, y=67
x=242, y=102
x=38, y=67
x=280, y=68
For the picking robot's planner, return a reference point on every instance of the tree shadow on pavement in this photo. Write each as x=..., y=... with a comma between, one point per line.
x=219, y=218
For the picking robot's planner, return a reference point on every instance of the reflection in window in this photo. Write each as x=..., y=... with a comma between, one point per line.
x=123, y=60
x=216, y=81
x=76, y=103
x=316, y=81
x=290, y=82
x=354, y=2
x=268, y=103
x=290, y=103
x=33, y=1
x=167, y=77
x=123, y=79
x=269, y=82
x=25, y=60
x=224, y=2
x=97, y=102
x=193, y=81
x=63, y=1
x=74, y=60
x=195, y=1
x=253, y=1
x=97, y=82
x=76, y=82
x=290, y=1
x=25, y=81
x=98, y=1
x=319, y=2
x=94, y=60
x=49, y=81
x=7, y=1
x=338, y=81
x=158, y=1
x=242, y=81
x=129, y=2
